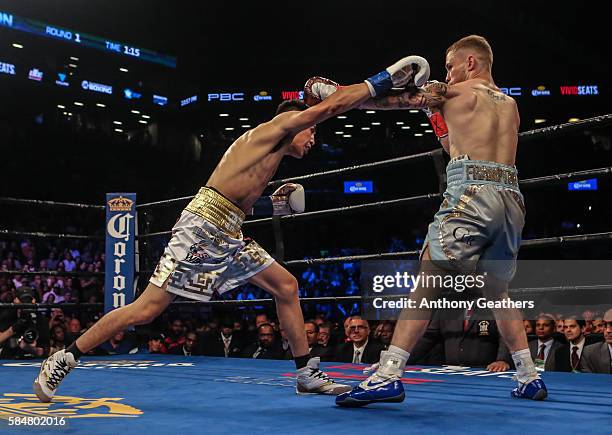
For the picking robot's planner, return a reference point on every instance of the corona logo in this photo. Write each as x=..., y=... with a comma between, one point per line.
x=120, y=204
x=27, y=405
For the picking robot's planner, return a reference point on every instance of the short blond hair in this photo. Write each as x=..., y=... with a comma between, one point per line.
x=476, y=43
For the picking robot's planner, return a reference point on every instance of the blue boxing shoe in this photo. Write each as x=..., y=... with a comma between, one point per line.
x=383, y=386
x=534, y=390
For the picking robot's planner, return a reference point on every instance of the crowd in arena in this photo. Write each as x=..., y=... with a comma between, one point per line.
x=335, y=332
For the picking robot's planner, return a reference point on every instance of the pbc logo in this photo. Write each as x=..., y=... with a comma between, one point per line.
x=235, y=96
x=515, y=92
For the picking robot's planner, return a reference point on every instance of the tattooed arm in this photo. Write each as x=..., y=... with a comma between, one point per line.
x=432, y=95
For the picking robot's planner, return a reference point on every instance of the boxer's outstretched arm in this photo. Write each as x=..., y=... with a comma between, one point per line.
x=432, y=95
x=345, y=99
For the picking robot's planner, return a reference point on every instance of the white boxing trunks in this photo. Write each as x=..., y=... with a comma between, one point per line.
x=207, y=252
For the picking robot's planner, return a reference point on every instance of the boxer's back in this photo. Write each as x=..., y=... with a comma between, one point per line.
x=483, y=122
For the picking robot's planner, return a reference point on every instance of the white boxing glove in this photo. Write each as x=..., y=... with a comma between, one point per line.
x=288, y=199
x=317, y=89
x=409, y=71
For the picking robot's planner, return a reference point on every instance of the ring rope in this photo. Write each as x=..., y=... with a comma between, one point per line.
x=351, y=258
x=77, y=274
x=8, y=200
x=598, y=120
x=530, y=243
x=352, y=208
x=48, y=235
x=530, y=182
x=559, y=240
x=561, y=128
x=602, y=120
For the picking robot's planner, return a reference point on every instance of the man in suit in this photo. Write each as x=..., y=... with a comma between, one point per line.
x=190, y=347
x=266, y=346
x=543, y=348
x=360, y=349
x=568, y=356
x=469, y=339
x=312, y=335
x=227, y=343
x=597, y=358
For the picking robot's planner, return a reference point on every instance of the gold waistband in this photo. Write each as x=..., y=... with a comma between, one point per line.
x=218, y=210
x=496, y=174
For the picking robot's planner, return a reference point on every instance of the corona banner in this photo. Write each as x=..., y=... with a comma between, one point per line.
x=120, y=238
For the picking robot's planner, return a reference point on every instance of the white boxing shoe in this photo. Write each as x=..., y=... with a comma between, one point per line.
x=52, y=371
x=311, y=380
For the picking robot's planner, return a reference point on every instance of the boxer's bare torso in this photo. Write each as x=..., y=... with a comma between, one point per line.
x=482, y=121
x=252, y=160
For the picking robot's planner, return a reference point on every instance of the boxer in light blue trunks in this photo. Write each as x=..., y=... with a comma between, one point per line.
x=481, y=217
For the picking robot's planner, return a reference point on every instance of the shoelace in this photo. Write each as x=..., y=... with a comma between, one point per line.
x=316, y=373
x=59, y=372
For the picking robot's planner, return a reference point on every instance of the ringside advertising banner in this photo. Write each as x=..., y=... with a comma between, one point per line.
x=120, y=238
x=407, y=289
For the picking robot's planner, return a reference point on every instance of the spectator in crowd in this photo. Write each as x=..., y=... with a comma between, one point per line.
x=347, y=332
x=360, y=349
x=156, y=344
x=597, y=357
x=176, y=336
x=284, y=343
x=386, y=333
x=266, y=346
x=323, y=339
x=544, y=347
x=312, y=335
x=597, y=326
x=58, y=339
x=260, y=319
x=52, y=261
x=53, y=296
x=325, y=343
x=559, y=326
x=69, y=263
x=529, y=329
x=467, y=338
x=74, y=328
x=190, y=347
x=238, y=326
x=227, y=343
x=57, y=318
x=117, y=345
x=568, y=356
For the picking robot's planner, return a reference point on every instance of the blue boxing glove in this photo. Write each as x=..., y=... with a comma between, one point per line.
x=409, y=71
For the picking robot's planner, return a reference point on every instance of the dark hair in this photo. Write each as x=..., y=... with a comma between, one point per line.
x=550, y=319
x=580, y=322
x=316, y=327
x=327, y=325
x=291, y=105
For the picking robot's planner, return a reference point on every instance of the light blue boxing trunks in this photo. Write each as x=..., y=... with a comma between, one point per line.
x=480, y=220
x=207, y=252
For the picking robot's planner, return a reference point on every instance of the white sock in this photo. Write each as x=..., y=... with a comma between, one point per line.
x=525, y=368
x=393, y=361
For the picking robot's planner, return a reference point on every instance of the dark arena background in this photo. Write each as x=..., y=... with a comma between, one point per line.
x=145, y=97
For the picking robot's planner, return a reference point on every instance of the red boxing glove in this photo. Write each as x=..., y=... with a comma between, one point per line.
x=437, y=122
x=317, y=89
